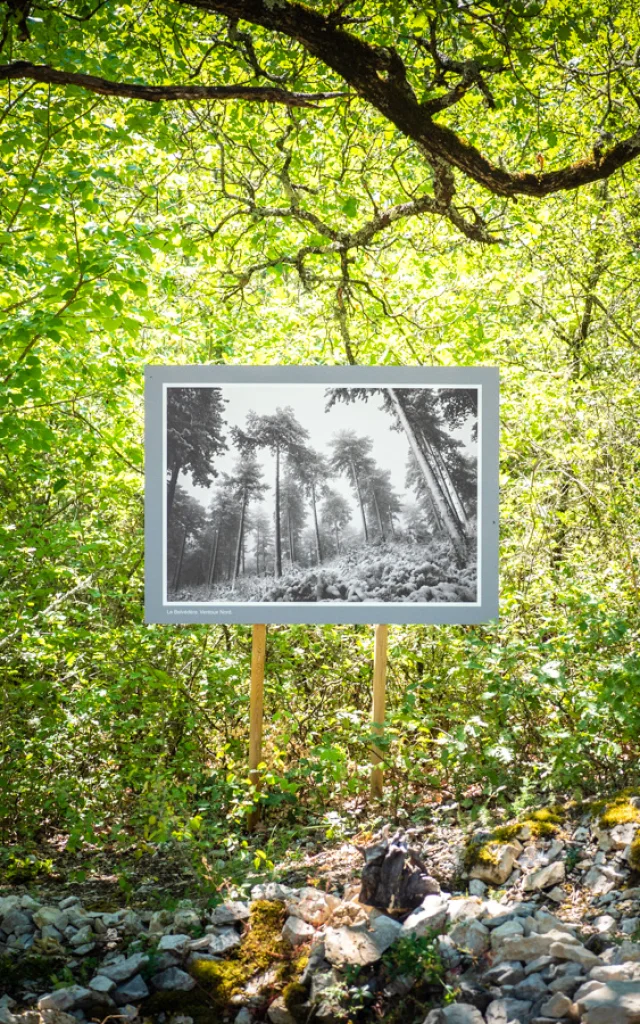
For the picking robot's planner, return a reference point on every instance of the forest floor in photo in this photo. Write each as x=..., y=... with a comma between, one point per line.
x=388, y=572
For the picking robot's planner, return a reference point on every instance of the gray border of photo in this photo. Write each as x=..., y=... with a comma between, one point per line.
x=336, y=613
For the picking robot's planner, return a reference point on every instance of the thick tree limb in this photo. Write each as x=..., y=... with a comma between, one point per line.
x=378, y=76
x=21, y=69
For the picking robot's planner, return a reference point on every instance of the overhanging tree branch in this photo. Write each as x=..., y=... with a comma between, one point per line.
x=22, y=69
x=378, y=75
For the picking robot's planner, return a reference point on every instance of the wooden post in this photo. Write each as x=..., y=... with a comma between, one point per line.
x=379, y=685
x=256, y=705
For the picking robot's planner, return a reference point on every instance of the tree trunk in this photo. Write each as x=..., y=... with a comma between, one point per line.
x=278, y=565
x=289, y=531
x=393, y=529
x=315, y=523
x=451, y=525
x=236, y=566
x=337, y=540
x=378, y=516
x=451, y=487
x=213, y=559
x=360, y=502
x=176, y=580
x=175, y=472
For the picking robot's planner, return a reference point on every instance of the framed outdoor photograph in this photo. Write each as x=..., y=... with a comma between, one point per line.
x=321, y=494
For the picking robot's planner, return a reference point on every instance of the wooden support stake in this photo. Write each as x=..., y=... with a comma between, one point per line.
x=379, y=685
x=256, y=706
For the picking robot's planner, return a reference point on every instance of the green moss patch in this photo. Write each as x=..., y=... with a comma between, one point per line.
x=634, y=854
x=261, y=949
x=619, y=810
x=542, y=824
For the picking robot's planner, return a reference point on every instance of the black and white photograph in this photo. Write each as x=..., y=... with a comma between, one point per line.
x=306, y=494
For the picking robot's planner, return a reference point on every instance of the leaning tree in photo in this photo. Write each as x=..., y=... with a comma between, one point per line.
x=282, y=435
x=194, y=436
x=406, y=405
x=351, y=457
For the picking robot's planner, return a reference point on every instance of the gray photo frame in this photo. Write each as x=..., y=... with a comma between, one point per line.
x=198, y=607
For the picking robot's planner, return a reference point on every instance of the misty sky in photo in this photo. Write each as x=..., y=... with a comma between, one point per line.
x=308, y=401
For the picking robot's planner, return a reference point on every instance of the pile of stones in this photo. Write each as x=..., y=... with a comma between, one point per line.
x=543, y=930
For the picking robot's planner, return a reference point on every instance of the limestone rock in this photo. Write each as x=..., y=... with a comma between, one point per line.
x=471, y=936
x=174, y=944
x=617, y=1002
x=507, y=1011
x=132, y=991
x=296, y=931
x=576, y=953
x=125, y=968
x=558, y=1006
x=222, y=941
x=173, y=979
x=430, y=916
x=461, y=1013
x=359, y=944
x=545, y=877
x=504, y=856
x=65, y=998
x=230, y=913
x=279, y=1014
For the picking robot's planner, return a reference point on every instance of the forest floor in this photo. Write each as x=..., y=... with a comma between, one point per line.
x=531, y=919
x=393, y=571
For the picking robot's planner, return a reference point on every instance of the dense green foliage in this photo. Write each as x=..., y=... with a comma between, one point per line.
x=133, y=233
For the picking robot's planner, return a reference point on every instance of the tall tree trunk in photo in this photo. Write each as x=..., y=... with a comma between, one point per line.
x=393, y=529
x=337, y=540
x=176, y=579
x=173, y=482
x=278, y=565
x=444, y=479
x=290, y=531
x=214, y=559
x=257, y=550
x=378, y=516
x=451, y=487
x=451, y=524
x=244, y=548
x=315, y=524
x=360, y=502
x=236, y=565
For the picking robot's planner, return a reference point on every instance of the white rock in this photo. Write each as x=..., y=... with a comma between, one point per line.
x=174, y=944
x=617, y=1002
x=173, y=979
x=51, y=915
x=359, y=944
x=272, y=891
x=296, y=931
x=623, y=835
x=461, y=1013
x=229, y=913
x=477, y=888
x=558, y=1006
x=102, y=984
x=605, y=924
x=471, y=936
x=120, y=970
x=160, y=920
x=466, y=909
x=505, y=931
x=278, y=1013
x=132, y=991
x=576, y=953
x=64, y=998
x=223, y=941
x=430, y=916
x=505, y=855
x=616, y=972
x=544, y=877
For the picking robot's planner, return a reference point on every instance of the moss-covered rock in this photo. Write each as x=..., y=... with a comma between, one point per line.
x=542, y=824
x=619, y=810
